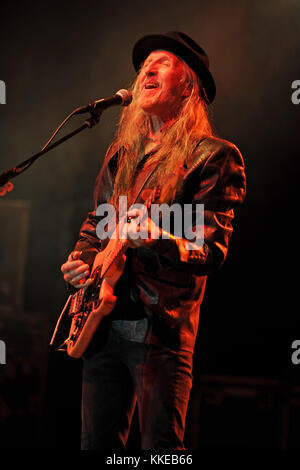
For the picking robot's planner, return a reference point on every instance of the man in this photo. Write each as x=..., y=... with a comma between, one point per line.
x=166, y=146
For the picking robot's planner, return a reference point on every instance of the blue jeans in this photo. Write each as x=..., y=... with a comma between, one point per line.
x=126, y=372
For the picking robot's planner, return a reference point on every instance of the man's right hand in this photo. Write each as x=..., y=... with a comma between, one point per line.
x=76, y=272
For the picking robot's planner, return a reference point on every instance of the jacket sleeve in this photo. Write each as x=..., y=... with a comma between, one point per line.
x=88, y=242
x=220, y=185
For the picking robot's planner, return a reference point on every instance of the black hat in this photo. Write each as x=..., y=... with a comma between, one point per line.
x=182, y=45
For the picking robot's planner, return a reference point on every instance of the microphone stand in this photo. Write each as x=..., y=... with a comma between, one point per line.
x=15, y=171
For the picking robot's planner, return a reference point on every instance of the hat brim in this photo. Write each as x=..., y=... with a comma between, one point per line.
x=150, y=43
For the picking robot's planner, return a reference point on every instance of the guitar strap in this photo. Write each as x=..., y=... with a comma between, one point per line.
x=149, y=168
x=141, y=180
x=142, y=177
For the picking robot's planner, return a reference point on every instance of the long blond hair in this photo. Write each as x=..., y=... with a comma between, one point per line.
x=178, y=140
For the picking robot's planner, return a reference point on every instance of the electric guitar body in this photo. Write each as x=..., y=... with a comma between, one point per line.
x=88, y=306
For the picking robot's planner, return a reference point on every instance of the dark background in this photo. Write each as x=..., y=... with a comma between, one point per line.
x=56, y=56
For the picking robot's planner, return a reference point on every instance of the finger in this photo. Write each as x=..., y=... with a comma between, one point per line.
x=71, y=275
x=74, y=255
x=80, y=276
x=83, y=285
x=74, y=279
x=79, y=270
x=71, y=266
x=66, y=267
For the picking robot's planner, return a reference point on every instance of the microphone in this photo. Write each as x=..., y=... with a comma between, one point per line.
x=121, y=97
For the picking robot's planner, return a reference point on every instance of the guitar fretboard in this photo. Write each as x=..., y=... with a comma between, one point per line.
x=116, y=249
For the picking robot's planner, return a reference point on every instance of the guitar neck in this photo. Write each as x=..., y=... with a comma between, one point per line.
x=118, y=246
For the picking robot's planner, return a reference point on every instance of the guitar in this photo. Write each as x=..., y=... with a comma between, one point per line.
x=88, y=306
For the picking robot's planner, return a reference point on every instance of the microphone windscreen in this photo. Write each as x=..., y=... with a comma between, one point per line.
x=126, y=96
